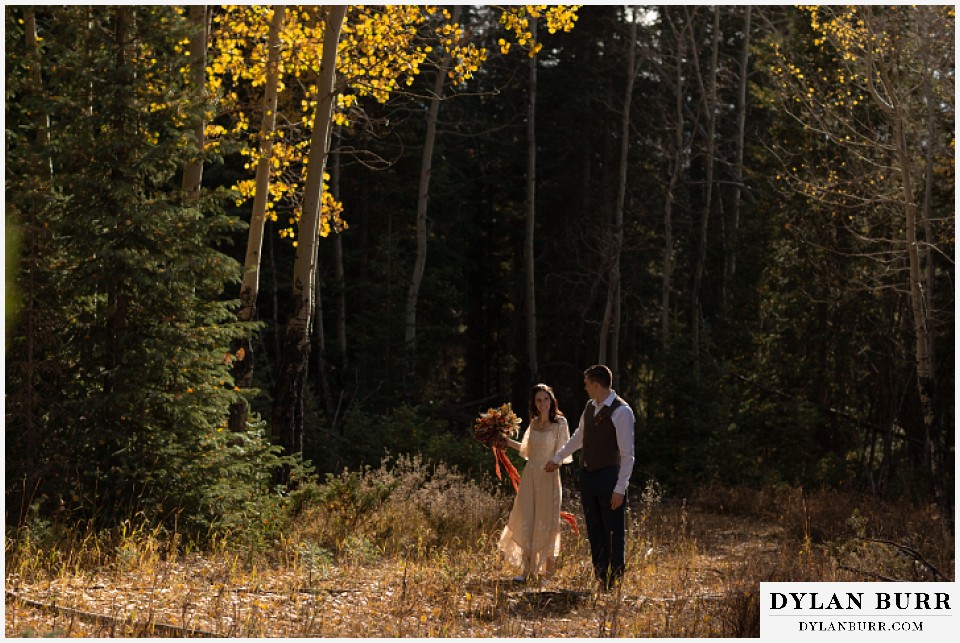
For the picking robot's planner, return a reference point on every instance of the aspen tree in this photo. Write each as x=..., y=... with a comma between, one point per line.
x=423, y=200
x=738, y=177
x=676, y=167
x=379, y=48
x=288, y=404
x=611, y=315
x=193, y=171
x=709, y=91
x=250, y=284
x=869, y=101
x=522, y=23
x=530, y=299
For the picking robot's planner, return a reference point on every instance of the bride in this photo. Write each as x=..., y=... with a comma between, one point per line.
x=531, y=539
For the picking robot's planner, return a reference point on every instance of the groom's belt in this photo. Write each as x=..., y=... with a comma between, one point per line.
x=603, y=468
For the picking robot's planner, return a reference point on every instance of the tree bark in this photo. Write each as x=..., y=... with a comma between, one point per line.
x=891, y=104
x=611, y=316
x=193, y=172
x=287, y=413
x=731, y=255
x=250, y=286
x=667, y=278
x=530, y=298
x=423, y=201
x=711, y=118
x=921, y=318
x=933, y=145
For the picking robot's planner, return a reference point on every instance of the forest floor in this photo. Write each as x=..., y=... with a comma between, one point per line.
x=449, y=594
x=693, y=572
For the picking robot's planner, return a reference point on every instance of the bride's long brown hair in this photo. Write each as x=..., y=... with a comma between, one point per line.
x=554, y=410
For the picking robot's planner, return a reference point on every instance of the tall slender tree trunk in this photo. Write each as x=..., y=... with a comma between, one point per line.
x=679, y=147
x=287, y=413
x=250, y=286
x=530, y=295
x=933, y=145
x=891, y=104
x=926, y=380
x=611, y=316
x=423, y=201
x=711, y=119
x=193, y=172
x=731, y=255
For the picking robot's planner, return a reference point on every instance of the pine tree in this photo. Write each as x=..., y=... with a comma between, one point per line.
x=143, y=329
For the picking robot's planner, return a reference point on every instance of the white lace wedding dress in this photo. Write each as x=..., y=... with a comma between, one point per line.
x=532, y=535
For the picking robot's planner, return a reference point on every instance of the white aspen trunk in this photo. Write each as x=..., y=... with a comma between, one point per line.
x=926, y=378
x=294, y=360
x=250, y=285
x=611, y=317
x=193, y=172
x=921, y=316
x=530, y=299
x=423, y=200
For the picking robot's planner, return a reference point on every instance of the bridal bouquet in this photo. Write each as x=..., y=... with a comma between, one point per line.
x=493, y=427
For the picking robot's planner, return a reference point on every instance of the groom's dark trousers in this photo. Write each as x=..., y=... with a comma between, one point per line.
x=605, y=526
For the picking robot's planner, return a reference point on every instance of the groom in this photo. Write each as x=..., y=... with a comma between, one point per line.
x=605, y=436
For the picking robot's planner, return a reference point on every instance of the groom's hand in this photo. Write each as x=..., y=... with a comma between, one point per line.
x=616, y=500
x=551, y=466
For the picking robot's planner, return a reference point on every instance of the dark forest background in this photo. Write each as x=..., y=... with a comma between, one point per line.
x=762, y=322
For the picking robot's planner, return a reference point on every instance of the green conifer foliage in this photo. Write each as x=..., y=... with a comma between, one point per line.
x=142, y=325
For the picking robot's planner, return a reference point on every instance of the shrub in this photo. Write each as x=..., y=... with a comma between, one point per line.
x=405, y=505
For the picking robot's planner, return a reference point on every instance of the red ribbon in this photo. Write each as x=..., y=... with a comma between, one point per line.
x=500, y=456
x=571, y=520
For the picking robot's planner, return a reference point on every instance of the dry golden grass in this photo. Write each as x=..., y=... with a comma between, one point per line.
x=423, y=564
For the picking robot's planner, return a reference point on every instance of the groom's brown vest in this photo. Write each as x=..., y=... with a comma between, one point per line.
x=600, y=448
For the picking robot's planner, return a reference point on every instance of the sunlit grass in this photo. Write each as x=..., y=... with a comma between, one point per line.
x=410, y=551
